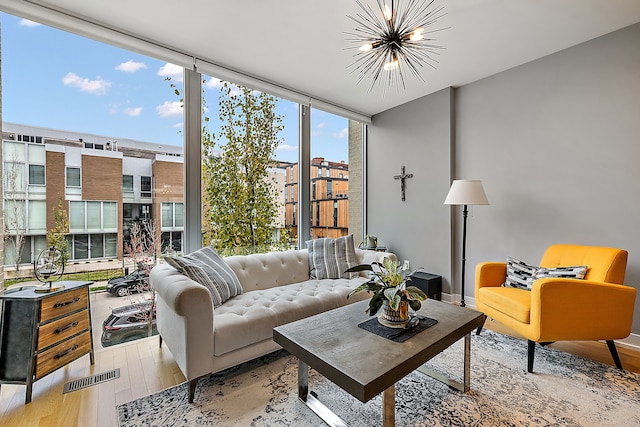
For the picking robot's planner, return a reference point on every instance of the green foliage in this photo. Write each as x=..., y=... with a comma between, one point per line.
x=239, y=196
x=388, y=282
x=57, y=236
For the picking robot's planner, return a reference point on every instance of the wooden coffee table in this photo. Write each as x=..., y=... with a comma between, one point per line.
x=365, y=364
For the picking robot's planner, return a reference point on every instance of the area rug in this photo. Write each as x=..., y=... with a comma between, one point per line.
x=564, y=390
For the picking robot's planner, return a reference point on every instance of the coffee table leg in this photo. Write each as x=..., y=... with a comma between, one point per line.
x=309, y=399
x=465, y=386
x=389, y=407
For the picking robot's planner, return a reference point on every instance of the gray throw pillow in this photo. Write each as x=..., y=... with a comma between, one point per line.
x=522, y=275
x=329, y=258
x=206, y=267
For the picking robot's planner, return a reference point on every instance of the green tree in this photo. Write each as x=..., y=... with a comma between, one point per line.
x=57, y=236
x=240, y=197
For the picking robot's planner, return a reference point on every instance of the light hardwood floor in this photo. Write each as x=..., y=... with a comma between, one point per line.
x=146, y=369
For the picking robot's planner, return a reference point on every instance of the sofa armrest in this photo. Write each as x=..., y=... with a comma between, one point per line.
x=490, y=274
x=581, y=309
x=184, y=319
x=367, y=256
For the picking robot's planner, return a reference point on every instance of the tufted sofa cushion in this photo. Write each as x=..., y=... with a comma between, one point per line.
x=251, y=317
x=263, y=271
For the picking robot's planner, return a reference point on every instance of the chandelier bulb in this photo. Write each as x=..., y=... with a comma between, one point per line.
x=366, y=47
x=387, y=12
x=391, y=65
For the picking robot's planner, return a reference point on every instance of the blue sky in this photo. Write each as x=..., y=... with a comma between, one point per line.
x=56, y=79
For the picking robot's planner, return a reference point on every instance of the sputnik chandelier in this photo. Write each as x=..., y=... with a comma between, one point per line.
x=395, y=40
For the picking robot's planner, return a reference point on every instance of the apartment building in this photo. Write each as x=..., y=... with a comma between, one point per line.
x=329, y=198
x=105, y=185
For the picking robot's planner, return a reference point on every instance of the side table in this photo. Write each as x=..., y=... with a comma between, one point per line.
x=42, y=332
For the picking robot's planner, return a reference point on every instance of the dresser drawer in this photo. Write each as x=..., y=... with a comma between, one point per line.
x=61, y=329
x=59, y=305
x=61, y=354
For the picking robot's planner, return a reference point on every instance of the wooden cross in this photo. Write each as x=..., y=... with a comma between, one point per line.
x=402, y=177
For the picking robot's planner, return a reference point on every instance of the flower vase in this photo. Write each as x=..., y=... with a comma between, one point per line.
x=394, y=318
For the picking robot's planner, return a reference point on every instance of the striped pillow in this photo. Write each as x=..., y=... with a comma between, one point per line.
x=329, y=258
x=206, y=267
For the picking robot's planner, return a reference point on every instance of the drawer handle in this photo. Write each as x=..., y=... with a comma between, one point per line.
x=64, y=328
x=62, y=304
x=64, y=353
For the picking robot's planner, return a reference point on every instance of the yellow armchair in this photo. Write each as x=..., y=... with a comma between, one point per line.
x=598, y=307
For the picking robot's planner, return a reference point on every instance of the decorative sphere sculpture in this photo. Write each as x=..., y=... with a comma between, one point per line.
x=49, y=267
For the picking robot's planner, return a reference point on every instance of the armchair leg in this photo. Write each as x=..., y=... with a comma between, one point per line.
x=192, y=389
x=614, y=353
x=160, y=340
x=531, y=351
x=481, y=326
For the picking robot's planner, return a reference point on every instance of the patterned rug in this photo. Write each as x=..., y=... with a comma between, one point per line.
x=565, y=390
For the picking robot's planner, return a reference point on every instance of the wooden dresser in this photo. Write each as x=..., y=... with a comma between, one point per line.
x=41, y=332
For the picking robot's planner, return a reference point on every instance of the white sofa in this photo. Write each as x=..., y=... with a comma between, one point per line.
x=276, y=290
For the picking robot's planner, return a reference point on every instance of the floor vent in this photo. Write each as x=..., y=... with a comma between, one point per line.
x=92, y=380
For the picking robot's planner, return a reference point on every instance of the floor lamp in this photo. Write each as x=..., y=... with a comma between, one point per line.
x=465, y=192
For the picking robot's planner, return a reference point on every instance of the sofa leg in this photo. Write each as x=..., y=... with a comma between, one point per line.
x=160, y=340
x=531, y=351
x=614, y=353
x=192, y=389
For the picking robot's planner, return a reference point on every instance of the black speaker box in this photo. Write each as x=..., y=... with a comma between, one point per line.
x=430, y=284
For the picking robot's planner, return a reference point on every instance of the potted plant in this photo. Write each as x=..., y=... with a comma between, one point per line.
x=390, y=291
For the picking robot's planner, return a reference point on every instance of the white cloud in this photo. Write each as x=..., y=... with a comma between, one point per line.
x=131, y=66
x=214, y=83
x=99, y=86
x=169, y=109
x=287, y=147
x=321, y=125
x=171, y=70
x=342, y=134
x=133, y=112
x=27, y=23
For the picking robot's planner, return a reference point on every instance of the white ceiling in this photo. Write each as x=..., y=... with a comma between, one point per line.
x=301, y=44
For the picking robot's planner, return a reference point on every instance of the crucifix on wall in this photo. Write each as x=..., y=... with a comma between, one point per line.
x=402, y=177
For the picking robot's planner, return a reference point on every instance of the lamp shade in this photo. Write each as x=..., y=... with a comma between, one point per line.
x=466, y=192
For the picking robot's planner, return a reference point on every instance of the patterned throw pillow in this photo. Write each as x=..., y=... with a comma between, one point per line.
x=574, y=272
x=329, y=258
x=522, y=275
x=206, y=267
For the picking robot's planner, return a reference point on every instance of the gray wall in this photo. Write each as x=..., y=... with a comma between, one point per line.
x=556, y=143
x=417, y=135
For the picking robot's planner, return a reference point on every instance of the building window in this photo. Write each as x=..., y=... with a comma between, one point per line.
x=313, y=190
x=317, y=214
x=127, y=185
x=88, y=246
x=335, y=213
x=73, y=177
x=36, y=175
x=145, y=186
x=172, y=216
x=171, y=241
x=93, y=216
x=319, y=171
x=329, y=189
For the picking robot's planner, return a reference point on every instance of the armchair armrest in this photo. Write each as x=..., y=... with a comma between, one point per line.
x=490, y=274
x=581, y=310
